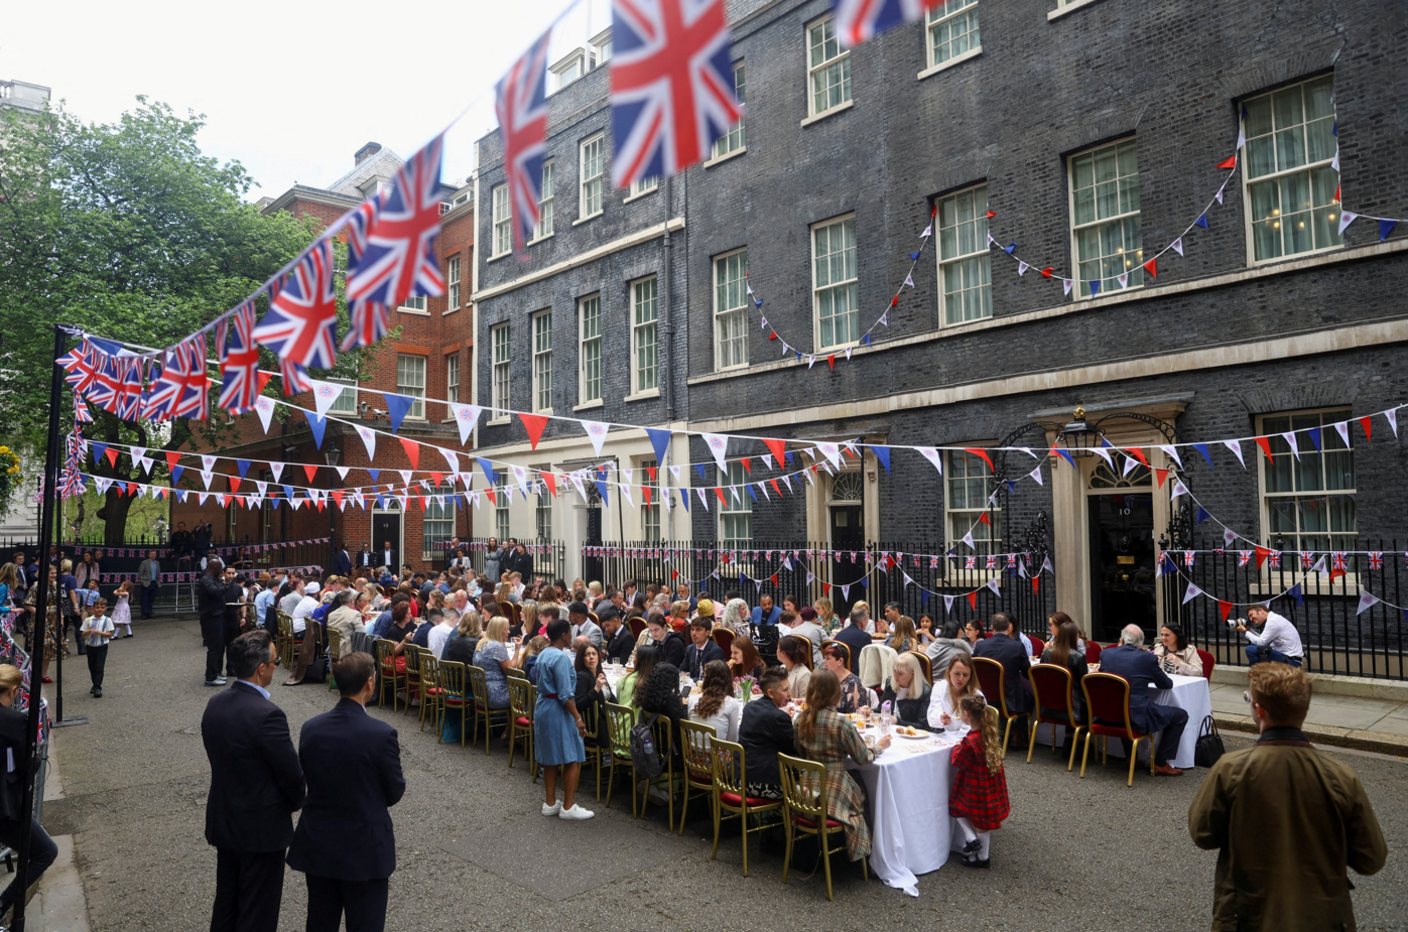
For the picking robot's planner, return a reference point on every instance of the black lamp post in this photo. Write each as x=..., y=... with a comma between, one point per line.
x=1080, y=436
x=334, y=458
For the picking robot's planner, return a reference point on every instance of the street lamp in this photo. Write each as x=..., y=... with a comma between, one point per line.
x=333, y=455
x=1079, y=435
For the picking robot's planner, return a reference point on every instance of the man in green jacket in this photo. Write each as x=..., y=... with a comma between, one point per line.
x=1287, y=820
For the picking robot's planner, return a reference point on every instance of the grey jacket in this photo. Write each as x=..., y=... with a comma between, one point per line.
x=942, y=652
x=148, y=572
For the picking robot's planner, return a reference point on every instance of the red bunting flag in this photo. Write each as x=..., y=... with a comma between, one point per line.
x=826, y=589
x=224, y=501
x=983, y=517
x=1137, y=454
x=1046, y=272
x=981, y=454
x=895, y=300
x=1036, y=581
x=422, y=503
x=172, y=458
x=1261, y=554
x=1363, y=422
x=831, y=360
x=337, y=497
x=651, y=471
x=551, y=481
x=234, y=483
x=773, y=579
x=778, y=448
x=747, y=467
x=1162, y=474
x=1229, y=163
x=645, y=493
x=131, y=489
x=489, y=493
x=535, y=424
x=1226, y=608
x=720, y=493
x=112, y=456
x=973, y=600
x=1152, y=267
x=776, y=488
x=310, y=470
x=991, y=214
x=1265, y=444
x=412, y=451
x=772, y=335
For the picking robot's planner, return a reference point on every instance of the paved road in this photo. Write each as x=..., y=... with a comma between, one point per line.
x=475, y=854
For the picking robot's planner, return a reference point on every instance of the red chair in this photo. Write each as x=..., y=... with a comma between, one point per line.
x=992, y=680
x=1052, y=687
x=637, y=625
x=1092, y=652
x=926, y=666
x=1107, y=700
x=1038, y=646
x=1209, y=661
x=722, y=637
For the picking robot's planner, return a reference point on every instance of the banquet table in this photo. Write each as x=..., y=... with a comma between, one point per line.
x=1190, y=693
x=906, y=803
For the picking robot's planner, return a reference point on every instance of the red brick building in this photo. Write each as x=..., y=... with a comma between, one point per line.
x=428, y=355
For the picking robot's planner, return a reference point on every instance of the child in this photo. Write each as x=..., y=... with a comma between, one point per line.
x=926, y=629
x=979, y=797
x=98, y=628
x=122, y=614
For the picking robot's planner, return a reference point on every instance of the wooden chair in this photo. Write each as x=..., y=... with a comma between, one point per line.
x=1055, y=705
x=698, y=769
x=522, y=702
x=731, y=795
x=591, y=738
x=1107, y=701
x=414, y=681
x=926, y=666
x=596, y=619
x=722, y=637
x=287, y=648
x=453, y=697
x=1038, y=645
x=1209, y=661
x=807, y=659
x=620, y=720
x=665, y=744
x=804, y=810
x=334, y=655
x=391, y=681
x=992, y=680
x=479, y=690
x=432, y=697
x=637, y=625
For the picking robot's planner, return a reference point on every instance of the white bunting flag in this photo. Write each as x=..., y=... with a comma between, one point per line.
x=629, y=476
x=992, y=584
x=928, y=232
x=1229, y=537
x=208, y=462
x=1177, y=245
x=1022, y=268
x=1236, y=447
x=1066, y=285
x=948, y=604
x=1366, y=600
x=466, y=416
x=1123, y=279
x=846, y=591
x=1129, y=464
x=341, y=472
x=848, y=353
x=1219, y=195
x=1178, y=489
x=201, y=497
x=205, y=476
x=1192, y=593
x=718, y=445
x=1346, y=218
x=968, y=539
x=596, y=433
x=626, y=491
x=1343, y=429
x=1241, y=140
x=811, y=361
x=451, y=457
x=369, y=440
x=675, y=471
x=1172, y=454
x=1104, y=454
x=703, y=499
x=520, y=475
x=1036, y=474
x=832, y=452
x=767, y=458
x=264, y=407
x=1290, y=437
x=324, y=395
x=405, y=476
x=1335, y=162
x=146, y=463
x=767, y=495
x=1391, y=415
x=933, y=456
x=276, y=469
x=909, y=279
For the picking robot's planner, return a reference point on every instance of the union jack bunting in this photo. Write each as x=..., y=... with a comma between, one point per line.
x=295, y=378
x=1307, y=560
x=81, y=414
x=1274, y=559
x=82, y=364
x=858, y=20
x=180, y=388
x=971, y=563
x=1339, y=561
x=521, y=102
x=129, y=392
x=400, y=259
x=671, y=85
x=1376, y=559
x=1188, y=557
x=239, y=360
x=1244, y=557
x=991, y=563
x=301, y=325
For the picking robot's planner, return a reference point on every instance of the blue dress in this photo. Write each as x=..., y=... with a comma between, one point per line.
x=556, y=740
x=488, y=659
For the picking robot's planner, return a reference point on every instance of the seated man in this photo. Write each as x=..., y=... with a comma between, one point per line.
x=619, y=643
x=855, y=637
x=702, y=650
x=765, y=731
x=766, y=613
x=668, y=640
x=1004, y=647
x=1142, y=669
x=1278, y=642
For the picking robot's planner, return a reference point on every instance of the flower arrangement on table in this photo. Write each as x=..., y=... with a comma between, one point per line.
x=744, y=687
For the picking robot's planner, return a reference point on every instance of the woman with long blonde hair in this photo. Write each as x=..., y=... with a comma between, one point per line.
x=491, y=655
x=960, y=681
x=979, y=798
x=826, y=616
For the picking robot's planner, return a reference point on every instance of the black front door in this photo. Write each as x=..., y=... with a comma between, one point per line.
x=1121, y=564
x=847, y=533
x=387, y=527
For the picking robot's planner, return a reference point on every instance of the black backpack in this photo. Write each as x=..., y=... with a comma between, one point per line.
x=644, y=752
x=1208, y=749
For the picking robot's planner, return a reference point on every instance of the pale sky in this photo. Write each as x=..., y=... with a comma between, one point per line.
x=291, y=88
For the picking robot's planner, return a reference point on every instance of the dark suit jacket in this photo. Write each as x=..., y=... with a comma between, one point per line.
x=519, y=563
x=857, y=640
x=764, y=731
x=256, y=783
x=694, y=658
x=364, y=558
x=344, y=563
x=1142, y=669
x=210, y=595
x=353, y=762
x=14, y=726
x=380, y=559
x=1013, y=656
x=620, y=647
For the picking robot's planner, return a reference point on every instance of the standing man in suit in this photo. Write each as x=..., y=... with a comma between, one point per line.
x=345, y=843
x=1004, y=647
x=364, y=556
x=256, y=784
x=344, y=562
x=1142, y=669
x=388, y=557
x=149, y=581
x=210, y=595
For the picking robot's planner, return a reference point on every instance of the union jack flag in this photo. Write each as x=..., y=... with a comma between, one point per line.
x=301, y=325
x=239, y=360
x=179, y=389
x=1244, y=557
x=1275, y=559
x=371, y=320
x=1307, y=560
x=521, y=101
x=1376, y=559
x=400, y=259
x=858, y=20
x=1189, y=556
x=971, y=563
x=1339, y=562
x=671, y=85
x=81, y=414
x=82, y=364
x=991, y=563
x=129, y=392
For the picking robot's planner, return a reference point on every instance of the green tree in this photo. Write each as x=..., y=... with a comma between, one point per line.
x=128, y=231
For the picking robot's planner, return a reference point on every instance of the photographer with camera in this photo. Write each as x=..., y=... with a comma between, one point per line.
x=1278, y=642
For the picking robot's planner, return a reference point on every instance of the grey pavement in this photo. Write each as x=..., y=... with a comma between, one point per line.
x=475, y=854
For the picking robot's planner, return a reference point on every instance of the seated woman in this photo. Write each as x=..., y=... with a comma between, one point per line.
x=828, y=737
x=791, y=653
x=1174, y=652
x=715, y=704
x=947, y=645
x=1055, y=620
x=529, y=658
x=658, y=694
x=593, y=692
x=736, y=618
x=679, y=615
x=646, y=657
x=958, y=682
x=765, y=730
x=744, y=659
x=973, y=632
x=403, y=627
x=826, y=616
x=907, y=693
x=903, y=637
x=491, y=655
x=1063, y=652
x=460, y=647
x=836, y=657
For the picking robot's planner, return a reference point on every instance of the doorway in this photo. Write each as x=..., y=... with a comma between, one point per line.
x=847, y=533
x=1121, y=563
x=386, y=525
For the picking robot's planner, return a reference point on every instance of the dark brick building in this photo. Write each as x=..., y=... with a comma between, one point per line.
x=1091, y=129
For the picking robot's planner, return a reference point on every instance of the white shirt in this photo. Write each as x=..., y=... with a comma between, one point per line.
x=1026, y=643
x=941, y=704
x=1279, y=635
x=386, y=558
x=96, y=627
x=301, y=611
x=438, y=637
x=289, y=602
x=725, y=720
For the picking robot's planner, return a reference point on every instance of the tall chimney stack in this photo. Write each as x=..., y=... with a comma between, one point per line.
x=367, y=151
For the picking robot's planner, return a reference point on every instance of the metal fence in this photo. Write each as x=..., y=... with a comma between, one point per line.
x=1322, y=603
x=918, y=575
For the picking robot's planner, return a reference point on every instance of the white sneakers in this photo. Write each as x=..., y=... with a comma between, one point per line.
x=552, y=810
x=576, y=812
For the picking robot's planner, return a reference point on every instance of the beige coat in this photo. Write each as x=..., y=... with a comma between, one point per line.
x=1288, y=820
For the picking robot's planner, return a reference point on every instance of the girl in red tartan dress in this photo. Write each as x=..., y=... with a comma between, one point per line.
x=979, y=799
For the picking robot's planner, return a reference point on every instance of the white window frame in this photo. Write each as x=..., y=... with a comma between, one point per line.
x=966, y=518
x=500, y=373
x=840, y=61
x=570, y=69
x=542, y=362
x=452, y=376
x=591, y=186
x=452, y=283
x=1134, y=267
x=1280, y=175
x=954, y=265
x=503, y=510
x=649, y=514
x=946, y=14
x=833, y=286
x=644, y=186
x=601, y=46
x=728, y=291
x=732, y=514
x=547, y=192
x=346, y=402
x=416, y=304
x=645, y=336
x=589, y=351
x=1329, y=438
x=438, y=524
x=735, y=140
x=405, y=382
x=542, y=508
x=502, y=221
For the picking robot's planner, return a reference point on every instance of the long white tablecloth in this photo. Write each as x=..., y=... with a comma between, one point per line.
x=906, y=793
x=1190, y=693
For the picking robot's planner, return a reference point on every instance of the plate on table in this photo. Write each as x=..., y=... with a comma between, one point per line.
x=914, y=734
